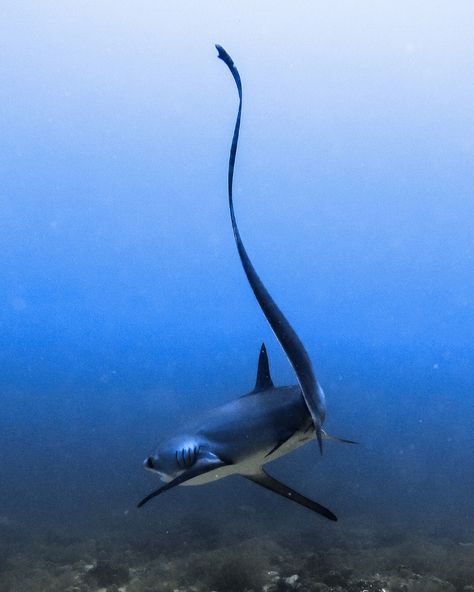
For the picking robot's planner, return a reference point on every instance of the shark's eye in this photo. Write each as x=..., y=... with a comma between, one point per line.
x=149, y=462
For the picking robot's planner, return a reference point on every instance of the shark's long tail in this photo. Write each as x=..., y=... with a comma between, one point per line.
x=284, y=332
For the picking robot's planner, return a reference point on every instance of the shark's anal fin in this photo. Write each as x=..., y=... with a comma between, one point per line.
x=206, y=465
x=264, y=380
x=284, y=332
x=269, y=482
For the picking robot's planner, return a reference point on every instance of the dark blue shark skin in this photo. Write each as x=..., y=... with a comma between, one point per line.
x=265, y=419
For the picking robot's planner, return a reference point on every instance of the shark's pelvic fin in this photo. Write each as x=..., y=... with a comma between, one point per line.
x=264, y=380
x=269, y=482
x=332, y=438
x=284, y=332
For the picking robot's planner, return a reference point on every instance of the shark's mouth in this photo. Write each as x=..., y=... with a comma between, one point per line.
x=163, y=476
x=150, y=466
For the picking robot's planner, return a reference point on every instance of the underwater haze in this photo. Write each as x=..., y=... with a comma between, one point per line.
x=125, y=310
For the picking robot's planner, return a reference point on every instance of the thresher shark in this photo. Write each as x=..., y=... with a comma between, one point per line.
x=241, y=436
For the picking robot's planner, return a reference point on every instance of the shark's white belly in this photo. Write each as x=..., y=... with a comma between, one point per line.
x=251, y=465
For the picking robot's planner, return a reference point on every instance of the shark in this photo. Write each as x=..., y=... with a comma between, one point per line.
x=243, y=435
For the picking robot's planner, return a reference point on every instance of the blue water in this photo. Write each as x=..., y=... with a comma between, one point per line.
x=124, y=305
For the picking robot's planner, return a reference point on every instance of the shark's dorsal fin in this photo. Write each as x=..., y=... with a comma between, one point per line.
x=264, y=380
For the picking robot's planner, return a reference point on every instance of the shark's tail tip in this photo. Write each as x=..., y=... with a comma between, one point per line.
x=223, y=55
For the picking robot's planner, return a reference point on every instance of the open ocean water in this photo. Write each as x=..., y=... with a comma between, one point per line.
x=125, y=311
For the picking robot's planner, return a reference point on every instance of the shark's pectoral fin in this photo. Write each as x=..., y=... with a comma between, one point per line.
x=265, y=480
x=209, y=462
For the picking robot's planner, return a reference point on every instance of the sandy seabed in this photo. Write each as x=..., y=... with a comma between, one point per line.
x=354, y=559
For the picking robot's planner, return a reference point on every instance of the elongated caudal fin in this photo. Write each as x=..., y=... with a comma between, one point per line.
x=284, y=332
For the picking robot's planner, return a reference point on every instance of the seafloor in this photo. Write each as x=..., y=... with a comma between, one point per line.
x=198, y=558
